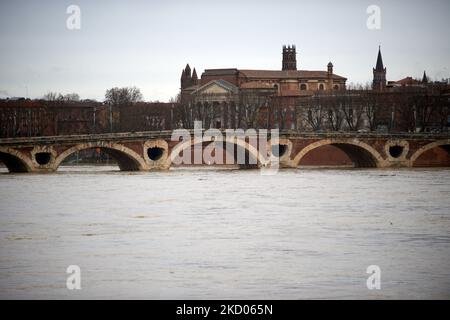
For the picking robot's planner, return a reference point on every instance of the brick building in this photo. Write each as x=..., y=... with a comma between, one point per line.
x=26, y=118
x=287, y=82
x=234, y=97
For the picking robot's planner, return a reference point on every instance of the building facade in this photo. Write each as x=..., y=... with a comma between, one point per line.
x=232, y=97
x=287, y=82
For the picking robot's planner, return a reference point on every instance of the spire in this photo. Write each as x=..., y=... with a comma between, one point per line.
x=183, y=79
x=379, y=74
x=424, y=78
x=379, y=66
x=194, y=77
x=187, y=71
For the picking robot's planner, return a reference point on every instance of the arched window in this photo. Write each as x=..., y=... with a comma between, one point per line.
x=303, y=86
x=336, y=87
x=321, y=87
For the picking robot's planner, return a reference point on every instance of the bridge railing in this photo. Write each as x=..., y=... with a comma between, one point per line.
x=148, y=135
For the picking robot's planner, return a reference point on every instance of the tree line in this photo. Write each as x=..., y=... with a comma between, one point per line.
x=406, y=110
x=366, y=110
x=115, y=96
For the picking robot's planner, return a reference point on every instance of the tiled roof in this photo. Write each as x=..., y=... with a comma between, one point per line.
x=407, y=81
x=220, y=72
x=227, y=85
x=288, y=74
x=222, y=83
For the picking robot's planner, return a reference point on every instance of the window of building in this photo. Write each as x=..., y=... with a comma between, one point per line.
x=275, y=119
x=336, y=87
x=303, y=86
x=321, y=87
x=293, y=119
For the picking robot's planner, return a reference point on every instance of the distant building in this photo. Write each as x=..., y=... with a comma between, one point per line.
x=380, y=83
x=188, y=79
x=379, y=74
x=405, y=82
x=287, y=82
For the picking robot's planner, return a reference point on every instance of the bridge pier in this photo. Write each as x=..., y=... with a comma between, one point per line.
x=150, y=151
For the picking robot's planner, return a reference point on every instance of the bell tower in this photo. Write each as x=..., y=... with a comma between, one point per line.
x=289, y=58
x=379, y=74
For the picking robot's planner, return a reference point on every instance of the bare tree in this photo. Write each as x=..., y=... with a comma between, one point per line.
x=251, y=103
x=53, y=96
x=443, y=111
x=315, y=113
x=425, y=107
x=352, y=110
x=371, y=103
x=334, y=116
x=71, y=97
x=175, y=99
x=123, y=96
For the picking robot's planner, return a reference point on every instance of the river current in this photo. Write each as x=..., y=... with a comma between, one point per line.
x=225, y=234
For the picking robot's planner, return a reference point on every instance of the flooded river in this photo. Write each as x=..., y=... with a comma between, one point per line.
x=214, y=234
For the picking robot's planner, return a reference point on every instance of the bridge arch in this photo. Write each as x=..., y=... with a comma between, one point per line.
x=127, y=159
x=445, y=144
x=188, y=144
x=361, y=154
x=15, y=160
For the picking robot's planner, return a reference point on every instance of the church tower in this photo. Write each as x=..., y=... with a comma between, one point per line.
x=186, y=78
x=379, y=74
x=424, y=78
x=289, y=58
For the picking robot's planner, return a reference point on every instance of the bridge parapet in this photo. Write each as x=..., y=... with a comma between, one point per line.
x=145, y=151
x=166, y=135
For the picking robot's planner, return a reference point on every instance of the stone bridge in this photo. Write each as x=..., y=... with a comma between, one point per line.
x=146, y=151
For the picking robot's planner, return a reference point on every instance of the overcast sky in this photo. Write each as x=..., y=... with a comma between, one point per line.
x=147, y=43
